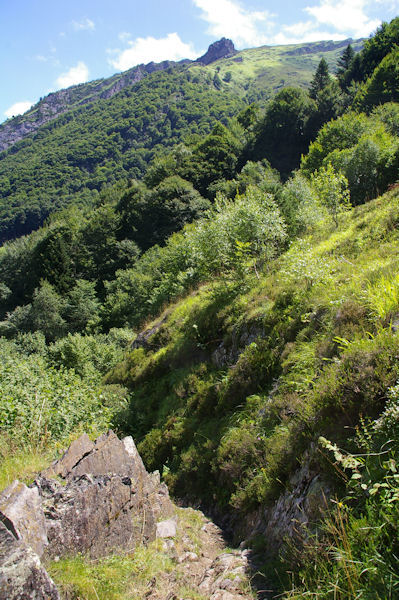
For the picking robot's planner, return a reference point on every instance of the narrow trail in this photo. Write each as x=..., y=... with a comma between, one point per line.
x=203, y=566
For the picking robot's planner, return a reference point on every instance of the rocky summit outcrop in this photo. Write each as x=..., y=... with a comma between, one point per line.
x=223, y=48
x=96, y=499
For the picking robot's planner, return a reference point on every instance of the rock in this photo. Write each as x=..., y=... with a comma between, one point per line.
x=188, y=557
x=107, y=455
x=143, y=339
x=229, y=351
x=223, y=579
x=224, y=48
x=169, y=547
x=132, y=451
x=158, y=494
x=96, y=515
x=21, y=575
x=166, y=529
x=21, y=511
x=108, y=502
x=76, y=451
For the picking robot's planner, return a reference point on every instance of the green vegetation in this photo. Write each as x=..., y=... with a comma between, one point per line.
x=141, y=571
x=95, y=144
x=260, y=263
x=51, y=394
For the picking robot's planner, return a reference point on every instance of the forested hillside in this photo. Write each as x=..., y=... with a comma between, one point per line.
x=104, y=135
x=226, y=291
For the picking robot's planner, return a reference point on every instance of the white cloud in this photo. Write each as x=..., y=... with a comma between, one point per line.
x=227, y=18
x=124, y=36
x=18, y=108
x=75, y=75
x=83, y=25
x=347, y=17
x=46, y=59
x=332, y=20
x=144, y=50
x=303, y=31
x=326, y=19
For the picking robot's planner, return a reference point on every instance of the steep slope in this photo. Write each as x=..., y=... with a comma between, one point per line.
x=107, y=134
x=57, y=103
x=232, y=387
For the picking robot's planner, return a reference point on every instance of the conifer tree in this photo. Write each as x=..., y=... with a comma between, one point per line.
x=320, y=80
x=345, y=59
x=345, y=69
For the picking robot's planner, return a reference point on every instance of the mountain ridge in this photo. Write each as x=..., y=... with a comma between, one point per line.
x=59, y=102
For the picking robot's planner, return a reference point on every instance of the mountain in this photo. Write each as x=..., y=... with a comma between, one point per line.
x=76, y=141
x=57, y=103
x=224, y=48
x=236, y=311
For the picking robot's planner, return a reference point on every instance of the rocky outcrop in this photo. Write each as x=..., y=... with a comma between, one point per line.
x=229, y=351
x=144, y=338
x=96, y=499
x=224, y=48
x=107, y=455
x=62, y=101
x=296, y=513
x=21, y=575
x=224, y=579
x=21, y=512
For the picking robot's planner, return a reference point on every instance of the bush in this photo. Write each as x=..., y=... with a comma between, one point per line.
x=42, y=403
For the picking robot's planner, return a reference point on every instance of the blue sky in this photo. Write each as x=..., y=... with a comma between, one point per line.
x=51, y=44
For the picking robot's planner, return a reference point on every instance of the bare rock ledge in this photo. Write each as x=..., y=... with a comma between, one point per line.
x=96, y=499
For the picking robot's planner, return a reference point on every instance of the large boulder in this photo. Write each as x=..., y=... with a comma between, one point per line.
x=21, y=575
x=109, y=502
x=21, y=511
x=107, y=455
x=95, y=514
x=96, y=499
x=76, y=451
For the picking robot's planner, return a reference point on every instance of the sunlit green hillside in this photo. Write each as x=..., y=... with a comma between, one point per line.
x=258, y=73
x=92, y=145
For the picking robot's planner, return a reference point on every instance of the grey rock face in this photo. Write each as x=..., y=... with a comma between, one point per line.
x=21, y=511
x=227, y=354
x=21, y=575
x=107, y=503
x=223, y=579
x=76, y=451
x=166, y=529
x=96, y=515
x=221, y=49
x=107, y=455
x=110, y=501
x=297, y=511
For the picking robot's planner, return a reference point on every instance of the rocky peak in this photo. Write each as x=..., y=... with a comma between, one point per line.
x=221, y=49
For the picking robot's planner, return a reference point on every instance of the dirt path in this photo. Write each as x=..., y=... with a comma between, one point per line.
x=203, y=567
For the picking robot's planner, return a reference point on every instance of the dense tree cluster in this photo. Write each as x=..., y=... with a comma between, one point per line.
x=117, y=255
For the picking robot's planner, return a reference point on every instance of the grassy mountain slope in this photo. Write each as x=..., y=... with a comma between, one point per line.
x=266, y=384
x=259, y=73
x=69, y=159
x=236, y=381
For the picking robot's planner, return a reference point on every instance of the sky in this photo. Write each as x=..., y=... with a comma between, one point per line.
x=47, y=45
